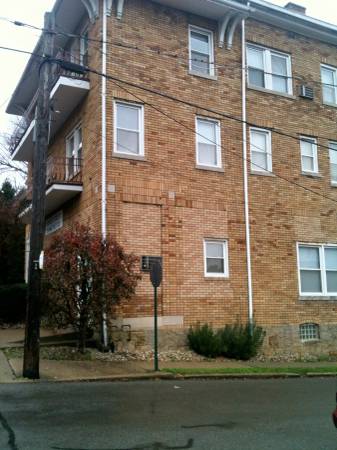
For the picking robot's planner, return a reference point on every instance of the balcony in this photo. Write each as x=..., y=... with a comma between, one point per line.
x=63, y=183
x=66, y=92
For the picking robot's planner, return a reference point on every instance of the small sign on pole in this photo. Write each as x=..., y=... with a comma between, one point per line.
x=156, y=276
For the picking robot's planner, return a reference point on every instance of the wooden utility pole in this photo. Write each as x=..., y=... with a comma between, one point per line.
x=32, y=334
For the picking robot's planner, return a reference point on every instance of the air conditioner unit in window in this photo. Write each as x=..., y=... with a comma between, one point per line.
x=307, y=92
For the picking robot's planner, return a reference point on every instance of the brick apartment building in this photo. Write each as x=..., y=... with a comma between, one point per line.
x=214, y=148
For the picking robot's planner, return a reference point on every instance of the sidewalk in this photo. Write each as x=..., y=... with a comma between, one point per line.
x=68, y=370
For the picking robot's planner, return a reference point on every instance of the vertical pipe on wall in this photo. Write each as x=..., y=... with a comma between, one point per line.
x=245, y=176
x=103, y=99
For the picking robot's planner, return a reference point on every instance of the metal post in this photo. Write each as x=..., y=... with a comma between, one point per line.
x=156, y=365
x=32, y=333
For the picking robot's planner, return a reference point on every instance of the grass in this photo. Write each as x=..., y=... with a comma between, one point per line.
x=252, y=370
x=51, y=353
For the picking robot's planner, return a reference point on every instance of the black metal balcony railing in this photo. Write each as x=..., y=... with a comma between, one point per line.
x=63, y=170
x=60, y=171
x=29, y=114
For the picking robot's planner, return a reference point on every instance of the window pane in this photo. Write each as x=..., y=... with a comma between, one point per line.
x=327, y=76
x=333, y=172
x=127, y=142
x=329, y=94
x=333, y=152
x=279, y=65
x=256, y=77
x=307, y=148
x=311, y=281
x=255, y=58
x=214, y=249
x=331, y=280
x=259, y=141
x=279, y=84
x=259, y=161
x=199, y=42
x=309, y=258
x=307, y=164
x=127, y=117
x=330, y=258
x=200, y=63
x=207, y=154
x=206, y=132
x=215, y=265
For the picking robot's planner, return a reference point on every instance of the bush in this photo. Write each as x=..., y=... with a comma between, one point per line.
x=234, y=341
x=204, y=341
x=13, y=303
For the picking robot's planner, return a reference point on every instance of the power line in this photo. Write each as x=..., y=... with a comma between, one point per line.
x=162, y=53
x=116, y=81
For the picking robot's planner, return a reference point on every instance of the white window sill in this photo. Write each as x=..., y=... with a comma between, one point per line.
x=260, y=172
x=318, y=298
x=333, y=105
x=333, y=184
x=211, y=168
x=128, y=156
x=269, y=91
x=216, y=277
x=310, y=341
x=203, y=75
x=311, y=174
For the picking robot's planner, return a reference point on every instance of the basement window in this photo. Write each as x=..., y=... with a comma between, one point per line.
x=309, y=332
x=54, y=223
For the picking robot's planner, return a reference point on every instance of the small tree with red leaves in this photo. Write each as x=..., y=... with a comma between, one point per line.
x=85, y=276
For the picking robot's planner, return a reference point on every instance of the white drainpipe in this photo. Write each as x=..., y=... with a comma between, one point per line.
x=103, y=98
x=245, y=175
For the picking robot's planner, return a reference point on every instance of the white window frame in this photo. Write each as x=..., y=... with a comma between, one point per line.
x=322, y=269
x=331, y=149
x=313, y=141
x=303, y=331
x=74, y=153
x=267, y=67
x=54, y=223
x=217, y=143
x=140, y=109
x=224, y=243
x=84, y=47
x=334, y=71
x=210, y=35
x=268, y=152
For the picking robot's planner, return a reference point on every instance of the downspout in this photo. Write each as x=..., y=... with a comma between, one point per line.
x=103, y=100
x=245, y=176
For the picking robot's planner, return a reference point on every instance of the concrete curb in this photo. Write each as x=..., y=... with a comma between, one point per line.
x=177, y=377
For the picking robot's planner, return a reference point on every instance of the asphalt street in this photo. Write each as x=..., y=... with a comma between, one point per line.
x=288, y=414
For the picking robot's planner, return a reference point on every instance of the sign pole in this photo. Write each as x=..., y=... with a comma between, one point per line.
x=156, y=365
x=156, y=275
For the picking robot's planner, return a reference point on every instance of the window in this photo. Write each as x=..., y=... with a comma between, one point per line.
x=74, y=152
x=309, y=161
x=208, y=142
x=269, y=69
x=216, y=258
x=309, y=332
x=260, y=150
x=84, y=48
x=55, y=222
x=129, y=129
x=333, y=162
x=317, y=269
x=329, y=80
x=201, y=51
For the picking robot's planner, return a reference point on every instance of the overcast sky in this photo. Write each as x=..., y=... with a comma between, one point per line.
x=32, y=12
